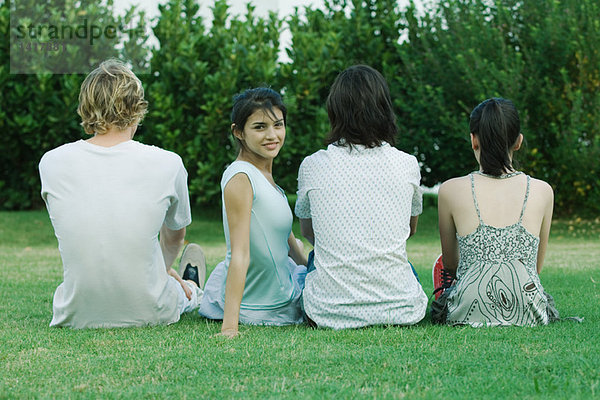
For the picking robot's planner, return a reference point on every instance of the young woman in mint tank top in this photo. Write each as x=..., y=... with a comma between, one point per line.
x=494, y=225
x=262, y=277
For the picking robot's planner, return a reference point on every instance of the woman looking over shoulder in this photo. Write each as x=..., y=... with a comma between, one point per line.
x=258, y=283
x=494, y=225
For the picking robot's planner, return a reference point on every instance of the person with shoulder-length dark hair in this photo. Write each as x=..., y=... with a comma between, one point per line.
x=358, y=203
x=494, y=226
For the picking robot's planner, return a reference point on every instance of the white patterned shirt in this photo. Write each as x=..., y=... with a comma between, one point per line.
x=360, y=201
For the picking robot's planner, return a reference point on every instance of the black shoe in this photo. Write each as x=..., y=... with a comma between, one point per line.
x=191, y=274
x=192, y=265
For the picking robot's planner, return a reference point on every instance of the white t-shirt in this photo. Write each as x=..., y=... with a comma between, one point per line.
x=360, y=201
x=107, y=205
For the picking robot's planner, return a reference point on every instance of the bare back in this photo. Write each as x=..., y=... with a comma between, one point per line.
x=500, y=203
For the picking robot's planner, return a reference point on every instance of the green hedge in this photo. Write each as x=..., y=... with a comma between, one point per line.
x=542, y=54
x=440, y=63
x=197, y=73
x=38, y=112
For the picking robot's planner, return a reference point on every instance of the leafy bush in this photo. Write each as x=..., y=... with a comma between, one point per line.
x=197, y=73
x=324, y=43
x=439, y=63
x=541, y=54
x=38, y=111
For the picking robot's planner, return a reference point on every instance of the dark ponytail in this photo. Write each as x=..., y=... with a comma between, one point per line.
x=496, y=124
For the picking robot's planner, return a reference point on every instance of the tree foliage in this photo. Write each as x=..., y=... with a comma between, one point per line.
x=324, y=43
x=38, y=110
x=197, y=71
x=541, y=54
x=440, y=62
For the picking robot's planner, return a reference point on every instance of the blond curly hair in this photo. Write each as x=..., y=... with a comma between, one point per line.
x=111, y=96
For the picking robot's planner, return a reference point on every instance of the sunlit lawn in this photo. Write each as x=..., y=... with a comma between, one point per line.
x=186, y=360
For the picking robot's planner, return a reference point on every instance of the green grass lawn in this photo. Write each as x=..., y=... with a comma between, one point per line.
x=187, y=360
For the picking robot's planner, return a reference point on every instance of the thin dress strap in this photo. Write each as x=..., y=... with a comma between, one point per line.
x=475, y=198
x=525, y=201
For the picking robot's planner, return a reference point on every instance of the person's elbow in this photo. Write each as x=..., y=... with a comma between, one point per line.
x=414, y=221
x=309, y=236
x=240, y=261
x=306, y=229
x=413, y=230
x=173, y=237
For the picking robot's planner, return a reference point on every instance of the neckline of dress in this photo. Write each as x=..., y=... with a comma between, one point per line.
x=502, y=176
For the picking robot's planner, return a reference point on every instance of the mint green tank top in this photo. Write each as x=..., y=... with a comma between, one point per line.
x=269, y=282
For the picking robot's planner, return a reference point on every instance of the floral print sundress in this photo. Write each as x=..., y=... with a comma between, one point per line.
x=496, y=280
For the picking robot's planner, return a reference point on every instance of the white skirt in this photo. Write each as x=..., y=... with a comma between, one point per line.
x=213, y=304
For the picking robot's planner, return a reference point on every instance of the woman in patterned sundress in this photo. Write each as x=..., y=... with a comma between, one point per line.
x=494, y=226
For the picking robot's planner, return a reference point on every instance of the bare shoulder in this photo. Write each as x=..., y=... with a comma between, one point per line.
x=454, y=185
x=454, y=193
x=238, y=186
x=541, y=193
x=542, y=187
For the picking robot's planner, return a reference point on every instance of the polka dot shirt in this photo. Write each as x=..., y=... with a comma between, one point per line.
x=360, y=201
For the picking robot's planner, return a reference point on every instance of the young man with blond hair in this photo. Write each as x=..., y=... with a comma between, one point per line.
x=110, y=199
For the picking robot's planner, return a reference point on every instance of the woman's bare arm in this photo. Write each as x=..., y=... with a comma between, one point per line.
x=238, y=205
x=545, y=228
x=447, y=229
